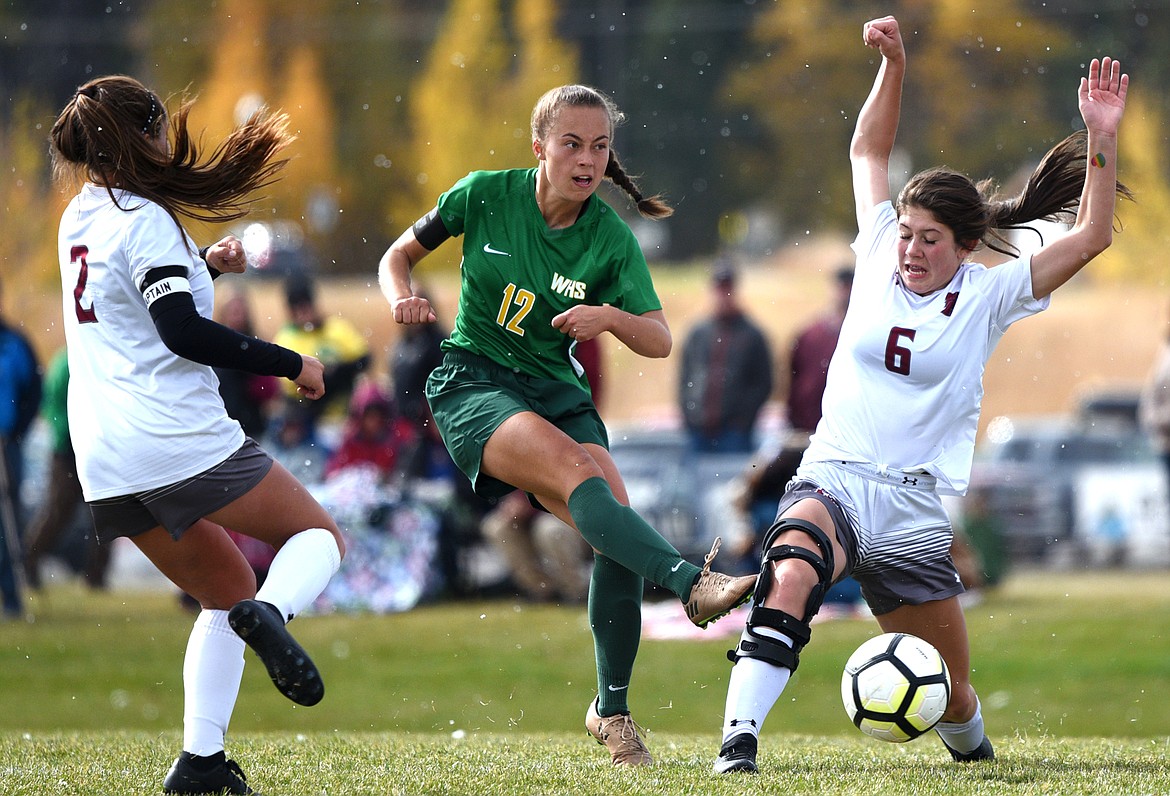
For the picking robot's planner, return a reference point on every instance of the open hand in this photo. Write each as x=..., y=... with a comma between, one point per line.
x=1102, y=95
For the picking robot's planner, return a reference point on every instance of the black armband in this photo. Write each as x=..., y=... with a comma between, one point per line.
x=189, y=335
x=430, y=231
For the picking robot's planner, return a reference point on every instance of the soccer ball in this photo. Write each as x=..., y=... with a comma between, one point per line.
x=895, y=687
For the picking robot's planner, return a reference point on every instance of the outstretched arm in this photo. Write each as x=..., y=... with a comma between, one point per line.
x=877, y=122
x=1101, y=97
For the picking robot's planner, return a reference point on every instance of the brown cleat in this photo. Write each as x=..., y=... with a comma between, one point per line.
x=619, y=734
x=715, y=594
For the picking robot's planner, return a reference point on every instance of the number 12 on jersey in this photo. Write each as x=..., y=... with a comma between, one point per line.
x=517, y=303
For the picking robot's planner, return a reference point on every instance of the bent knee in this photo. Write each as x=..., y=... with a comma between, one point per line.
x=962, y=705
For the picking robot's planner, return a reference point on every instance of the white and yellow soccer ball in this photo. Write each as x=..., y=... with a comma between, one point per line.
x=895, y=687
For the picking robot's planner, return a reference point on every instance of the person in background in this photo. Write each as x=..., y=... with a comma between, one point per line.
x=548, y=264
x=20, y=398
x=808, y=365
x=375, y=436
x=904, y=394
x=294, y=442
x=63, y=495
x=726, y=374
x=546, y=558
x=415, y=354
x=1154, y=406
x=248, y=397
x=159, y=460
x=808, y=369
x=332, y=339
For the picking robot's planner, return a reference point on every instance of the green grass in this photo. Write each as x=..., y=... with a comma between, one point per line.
x=1073, y=670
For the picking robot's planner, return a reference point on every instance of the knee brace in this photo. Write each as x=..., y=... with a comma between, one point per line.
x=798, y=629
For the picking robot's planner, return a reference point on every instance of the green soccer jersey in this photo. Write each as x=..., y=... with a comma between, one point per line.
x=517, y=274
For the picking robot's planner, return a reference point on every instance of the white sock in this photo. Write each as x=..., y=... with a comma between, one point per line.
x=212, y=669
x=965, y=737
x=753, y=689
x=301, y=570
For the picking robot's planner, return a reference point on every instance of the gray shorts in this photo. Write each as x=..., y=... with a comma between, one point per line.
x=179, y=506
x=899, y=534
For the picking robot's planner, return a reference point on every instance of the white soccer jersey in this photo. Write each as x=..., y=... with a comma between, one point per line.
x=140, y=416
x=906, y=381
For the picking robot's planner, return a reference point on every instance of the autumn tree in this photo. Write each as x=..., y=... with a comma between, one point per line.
x=1145, y=223
x=470, y=107
x=975, y=95
x=29, y=206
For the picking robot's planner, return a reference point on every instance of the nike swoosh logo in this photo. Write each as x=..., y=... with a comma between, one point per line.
x=676, y=566
x=487, y=247
x=617, y=687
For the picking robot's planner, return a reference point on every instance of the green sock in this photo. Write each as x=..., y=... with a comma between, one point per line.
x=615, y=615
x=617, y=532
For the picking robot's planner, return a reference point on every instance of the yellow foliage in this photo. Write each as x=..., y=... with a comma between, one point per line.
x=309, y=185
x=238, y=78
x=1135, y=255
x=30, y=207
x=470, y=107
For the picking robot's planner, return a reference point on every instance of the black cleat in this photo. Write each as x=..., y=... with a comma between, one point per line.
x=214, y=774
x=981, y=752
x=738, y=754
x=261, y=627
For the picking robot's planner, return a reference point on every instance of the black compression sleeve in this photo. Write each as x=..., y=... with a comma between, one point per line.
x=430, y=231
x=189, y=335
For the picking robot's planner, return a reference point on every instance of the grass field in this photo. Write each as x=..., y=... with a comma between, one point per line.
x=488, y=697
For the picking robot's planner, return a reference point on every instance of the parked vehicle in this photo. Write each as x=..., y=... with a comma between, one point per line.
x=1029, y=476
x=685, y=496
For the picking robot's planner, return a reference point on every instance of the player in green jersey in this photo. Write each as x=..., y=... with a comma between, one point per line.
x=547, y=263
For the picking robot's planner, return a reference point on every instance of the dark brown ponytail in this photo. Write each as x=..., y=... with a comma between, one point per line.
x=108, y=131
x=1051, y=193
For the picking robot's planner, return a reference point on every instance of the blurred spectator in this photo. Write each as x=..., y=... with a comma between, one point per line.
x=808, y=368
x=1154, y=408
x=726, y=374
x=547, y=559
x=588, y=353
x=415, y=354
x=980, y=529
x=20, y=398
x=375, y=434
x=63, y=497
x=248, y=397
x=331, y=339
x=764, y=482
x=293, y=441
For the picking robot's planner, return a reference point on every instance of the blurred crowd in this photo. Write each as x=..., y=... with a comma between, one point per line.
x=372, y=453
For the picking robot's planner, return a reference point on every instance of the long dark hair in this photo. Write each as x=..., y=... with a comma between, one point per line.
x=106, y=133
x=545, y=114
x=976, y=216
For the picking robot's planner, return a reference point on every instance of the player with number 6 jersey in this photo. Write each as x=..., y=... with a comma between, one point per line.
x=158, y=457
x=904, y=390
x=547, y=263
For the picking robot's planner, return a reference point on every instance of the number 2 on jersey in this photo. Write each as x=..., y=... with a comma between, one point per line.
x=84, y=314
x=522, y=300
